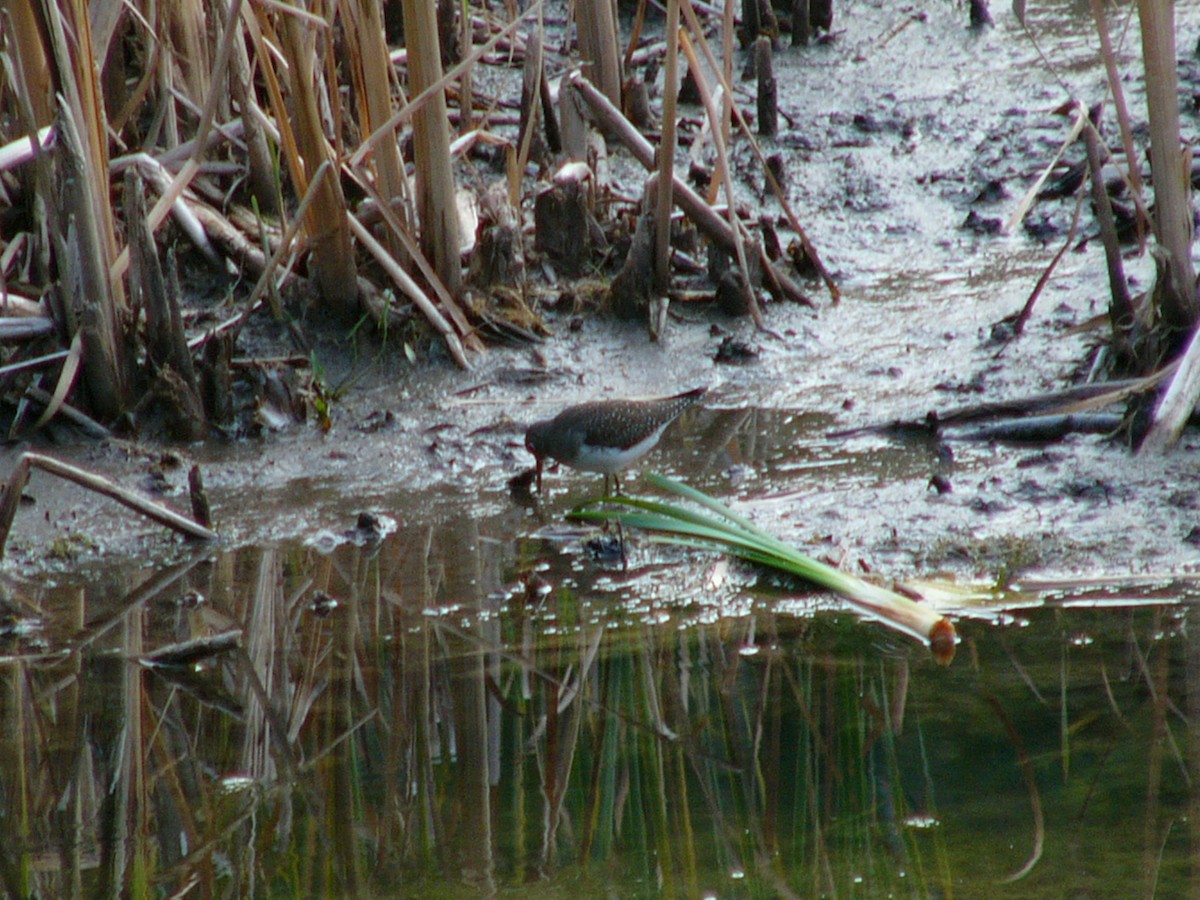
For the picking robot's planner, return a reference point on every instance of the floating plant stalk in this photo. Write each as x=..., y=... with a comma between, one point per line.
x=741, y=537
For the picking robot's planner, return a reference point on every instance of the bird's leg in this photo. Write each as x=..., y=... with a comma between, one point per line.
x=621, y=545
x=539, y=475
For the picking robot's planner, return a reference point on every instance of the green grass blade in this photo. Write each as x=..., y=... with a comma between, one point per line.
x=736, y=534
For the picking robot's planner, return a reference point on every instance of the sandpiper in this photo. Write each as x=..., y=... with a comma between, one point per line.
x=605, y=436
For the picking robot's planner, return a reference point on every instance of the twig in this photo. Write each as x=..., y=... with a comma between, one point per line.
x=155, y=511
x=84, y=421
x=186, y=652
x=412, y=290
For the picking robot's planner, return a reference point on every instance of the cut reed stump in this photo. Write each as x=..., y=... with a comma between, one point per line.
x=631, y=290
x=564, y=227
x=768, y=90
x=497, y=257
x=801, y=29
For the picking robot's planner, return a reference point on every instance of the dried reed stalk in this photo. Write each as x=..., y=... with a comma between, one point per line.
x=332, y=264
x=1170, y=164
x=729, y=109
x=599, y=46
x=188, y=29
x=436, y=205
x=89, y=304
x=31, y=70
x=372, y=76
x=735, y=226
x=262, y=179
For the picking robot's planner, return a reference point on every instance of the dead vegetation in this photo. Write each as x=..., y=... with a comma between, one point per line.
x=290, y=154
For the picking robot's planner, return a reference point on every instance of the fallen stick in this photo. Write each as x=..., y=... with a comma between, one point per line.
x=187, y=653
x=11, y=497
x=84, y=421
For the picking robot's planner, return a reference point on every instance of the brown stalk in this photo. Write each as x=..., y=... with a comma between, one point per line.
x=83, y=98
x=666, y=155
x=1176, y=292
x=332, y=262
x=1131, y=172
x=32, y=69
x=436, y=204
x=1120, y=309
x=264, y=186
x=600, y=47
x=372, y=76
x=91, y=308
x=188, y=32
x=723, y=162
x=402, y=115
x=532, y=114
x=1168, y=164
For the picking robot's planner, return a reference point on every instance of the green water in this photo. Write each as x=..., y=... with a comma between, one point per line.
x=412, y=719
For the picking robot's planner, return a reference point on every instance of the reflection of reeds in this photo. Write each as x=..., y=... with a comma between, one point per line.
x=390, y=719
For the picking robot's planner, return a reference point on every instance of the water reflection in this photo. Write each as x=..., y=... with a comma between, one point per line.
x=430, y=716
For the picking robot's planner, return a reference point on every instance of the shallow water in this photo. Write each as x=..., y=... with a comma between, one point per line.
x=441, y=714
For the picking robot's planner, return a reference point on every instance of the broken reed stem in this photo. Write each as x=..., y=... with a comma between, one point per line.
x=599, y=47
x=1131, y=172
x=1120, y=309
x=155, y=511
